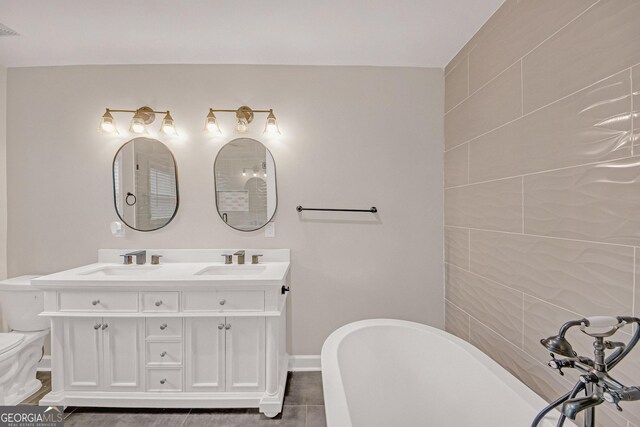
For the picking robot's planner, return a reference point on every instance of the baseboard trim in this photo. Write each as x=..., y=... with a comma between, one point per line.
x=304, y=363
x=45, y=364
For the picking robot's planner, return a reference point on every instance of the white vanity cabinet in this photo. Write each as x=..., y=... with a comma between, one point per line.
x=225, y=354
x=103, y=353
x=189, y=341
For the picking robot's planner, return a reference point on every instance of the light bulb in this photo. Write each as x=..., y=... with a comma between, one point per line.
x=107, y=124
x=271, y=127
x=241, y=126
x=108, y=127
x=211, y=124
x=168, y=127
x=264, y=174
x=137, y=124
x=255, y=174
x=244, y=173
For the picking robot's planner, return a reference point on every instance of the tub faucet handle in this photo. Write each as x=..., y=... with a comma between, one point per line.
x=558, y=364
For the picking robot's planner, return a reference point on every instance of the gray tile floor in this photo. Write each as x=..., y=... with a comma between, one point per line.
x=303, y=407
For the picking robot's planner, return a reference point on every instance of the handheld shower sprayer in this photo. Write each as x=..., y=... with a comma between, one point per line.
x=558, y=344
x=595, y=381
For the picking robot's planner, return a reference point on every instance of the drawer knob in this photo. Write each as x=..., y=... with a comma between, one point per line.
x=162, y=381
x=105, y=326
x=158, y=303
x=227, y=326
x=96, y=326
x=163, y=326
x=163, y=354
x=221, y=325
x=223, y=301
x=95, y=302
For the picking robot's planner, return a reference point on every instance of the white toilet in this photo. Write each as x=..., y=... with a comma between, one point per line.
x=21, y=348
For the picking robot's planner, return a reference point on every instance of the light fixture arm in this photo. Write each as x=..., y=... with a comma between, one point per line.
x=235, y=111
x=111, y=110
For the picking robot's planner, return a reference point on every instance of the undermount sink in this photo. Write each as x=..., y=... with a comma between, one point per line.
x=232, y=270
x=125, y=270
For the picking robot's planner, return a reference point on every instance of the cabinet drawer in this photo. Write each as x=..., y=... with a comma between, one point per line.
x=223, y=301
x=159, y=301
x=164, y=379
x=164, y=353
x=98, y=301
x=157, y=327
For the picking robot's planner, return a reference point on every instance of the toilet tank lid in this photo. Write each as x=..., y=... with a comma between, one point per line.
x=9, y=341
x=20, y=283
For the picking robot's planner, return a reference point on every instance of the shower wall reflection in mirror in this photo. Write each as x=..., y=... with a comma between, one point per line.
x=245, y=182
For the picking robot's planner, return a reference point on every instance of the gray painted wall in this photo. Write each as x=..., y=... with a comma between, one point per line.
x=352, y=137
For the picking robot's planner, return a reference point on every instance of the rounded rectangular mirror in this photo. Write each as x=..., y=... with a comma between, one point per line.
x=145, y=184
x=245, y=182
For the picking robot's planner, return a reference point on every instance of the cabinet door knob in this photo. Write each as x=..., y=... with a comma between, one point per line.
x=227, y=326
x=162, y=381
x=95, y=302
x=221, y=325
x=163, y=354
x=105, y=326
x=96, y=326
x=163, y=326
x=223, y=301
x=158, y=303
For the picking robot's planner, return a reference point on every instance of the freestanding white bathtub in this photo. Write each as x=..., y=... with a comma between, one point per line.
x=393, y=373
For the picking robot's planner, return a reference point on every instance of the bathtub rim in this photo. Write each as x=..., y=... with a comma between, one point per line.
x=336, y=408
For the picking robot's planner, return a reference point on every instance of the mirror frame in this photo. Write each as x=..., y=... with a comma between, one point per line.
x=215, y=185
x=113, y=185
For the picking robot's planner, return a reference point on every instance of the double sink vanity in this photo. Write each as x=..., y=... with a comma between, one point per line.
x=190, y=331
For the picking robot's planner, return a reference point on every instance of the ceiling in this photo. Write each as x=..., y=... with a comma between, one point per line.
x=413, y=33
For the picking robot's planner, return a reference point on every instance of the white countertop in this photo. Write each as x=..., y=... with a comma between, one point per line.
x=178, y=274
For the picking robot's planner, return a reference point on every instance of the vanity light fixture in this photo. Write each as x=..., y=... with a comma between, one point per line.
x=138, y=123
x=242, y=125
x=211, y=124
x=107, y=124
x=271, y=127
x=244, y=116
x=168, y=127
x=142, y=117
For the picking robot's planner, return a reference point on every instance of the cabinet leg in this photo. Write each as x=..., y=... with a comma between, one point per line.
x=271, y=406
x=270, y=413
x=272, y=357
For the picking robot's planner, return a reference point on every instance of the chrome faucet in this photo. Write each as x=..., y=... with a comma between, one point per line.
x=240, y=255
x=141, y=257
x=595, y=381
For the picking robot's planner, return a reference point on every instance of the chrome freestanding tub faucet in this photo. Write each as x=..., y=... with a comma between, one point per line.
x=595, y=381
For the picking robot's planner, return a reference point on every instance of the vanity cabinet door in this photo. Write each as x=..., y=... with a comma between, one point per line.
x=204, y=354
x=83, y=353
x=123, y=340
x=245, y=353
